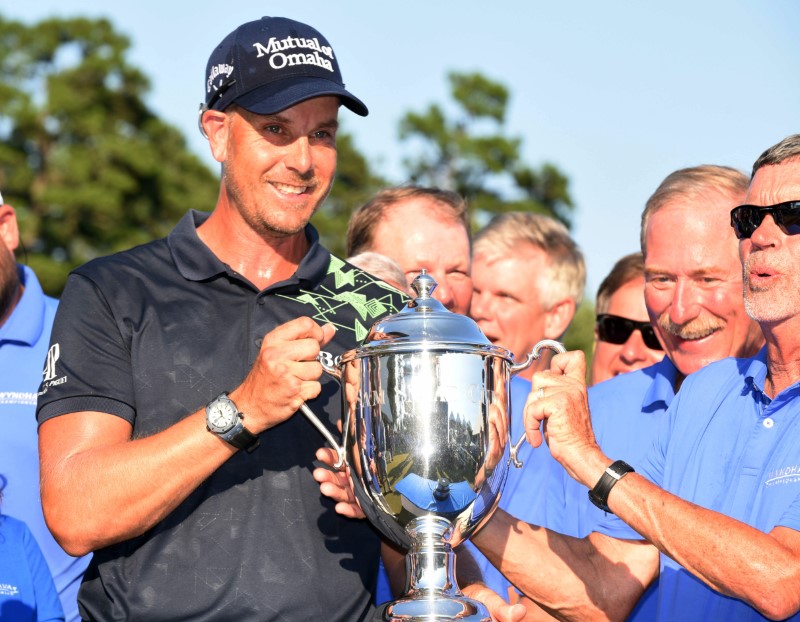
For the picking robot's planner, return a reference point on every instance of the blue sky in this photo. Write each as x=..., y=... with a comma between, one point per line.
x=616, y=94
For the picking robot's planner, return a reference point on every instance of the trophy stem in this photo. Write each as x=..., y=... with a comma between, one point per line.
x=432, y=592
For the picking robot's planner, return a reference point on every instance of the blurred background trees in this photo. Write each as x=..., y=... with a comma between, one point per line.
x=92, y=170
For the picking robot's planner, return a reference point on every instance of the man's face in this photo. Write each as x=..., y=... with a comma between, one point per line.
x=417, y=234
x=693, y=289
x=279, y=168
x=611, y=359
x=506, y=300
x=771, y=258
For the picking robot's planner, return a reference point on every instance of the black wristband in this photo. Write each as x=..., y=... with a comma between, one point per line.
x=615, y=472
x=244, y=439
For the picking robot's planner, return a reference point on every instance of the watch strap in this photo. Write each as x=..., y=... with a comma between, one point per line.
x=241, y=438
x=613, y=473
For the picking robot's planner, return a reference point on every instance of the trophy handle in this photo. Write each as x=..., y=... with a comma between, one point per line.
x=535, y=354
x=340, y=452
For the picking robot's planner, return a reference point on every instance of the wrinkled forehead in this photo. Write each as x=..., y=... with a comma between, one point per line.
x=775, y=183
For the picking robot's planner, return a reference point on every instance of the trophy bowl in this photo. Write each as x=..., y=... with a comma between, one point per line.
x=426, y=437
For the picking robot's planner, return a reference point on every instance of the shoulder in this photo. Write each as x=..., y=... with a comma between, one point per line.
x=138, y=259
x=617, y=387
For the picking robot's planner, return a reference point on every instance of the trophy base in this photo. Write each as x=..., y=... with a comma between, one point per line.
x=426, y=608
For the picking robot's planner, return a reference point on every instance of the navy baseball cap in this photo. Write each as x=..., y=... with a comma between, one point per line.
x=270, y=64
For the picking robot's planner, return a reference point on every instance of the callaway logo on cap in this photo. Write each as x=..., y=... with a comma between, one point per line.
x=271, y=64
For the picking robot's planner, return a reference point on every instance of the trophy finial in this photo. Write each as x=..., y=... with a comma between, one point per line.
x=423, y=285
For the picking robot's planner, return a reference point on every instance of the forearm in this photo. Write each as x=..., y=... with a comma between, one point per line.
x=570, y=578
x=728, y=555
x=100, y=487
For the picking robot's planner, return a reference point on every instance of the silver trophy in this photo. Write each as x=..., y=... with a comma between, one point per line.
x=426, y=435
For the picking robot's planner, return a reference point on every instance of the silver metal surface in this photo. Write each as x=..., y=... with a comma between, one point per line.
x=426, y=436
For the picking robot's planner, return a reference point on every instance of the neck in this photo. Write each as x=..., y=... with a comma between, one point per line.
x=783, y=356
x=263, y=260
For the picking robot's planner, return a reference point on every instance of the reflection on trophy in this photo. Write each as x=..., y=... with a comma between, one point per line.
x=426, y=435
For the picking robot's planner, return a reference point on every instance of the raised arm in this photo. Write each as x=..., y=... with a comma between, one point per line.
x=101, y=486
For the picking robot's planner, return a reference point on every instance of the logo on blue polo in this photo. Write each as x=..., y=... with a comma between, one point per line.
x=786, y=475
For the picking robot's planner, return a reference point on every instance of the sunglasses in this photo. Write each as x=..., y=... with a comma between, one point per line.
x=745, y=219
x=615, y=329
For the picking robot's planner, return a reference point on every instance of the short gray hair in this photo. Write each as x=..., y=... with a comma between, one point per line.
x=567, y=269
x=690, y=184
x=787, y=149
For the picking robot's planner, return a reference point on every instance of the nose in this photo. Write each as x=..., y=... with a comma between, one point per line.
x=634, y=350
x=443, y=293
x=684, y=305
x=767, y=233
x=298, y=155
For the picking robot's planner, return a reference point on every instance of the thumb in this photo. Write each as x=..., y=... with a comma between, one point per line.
x=328, y=331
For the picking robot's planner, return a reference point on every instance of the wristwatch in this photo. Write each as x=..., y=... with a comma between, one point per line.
x=225, y=420
x=615, y=472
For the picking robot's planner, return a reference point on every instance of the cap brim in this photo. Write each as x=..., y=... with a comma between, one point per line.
x=291, y=91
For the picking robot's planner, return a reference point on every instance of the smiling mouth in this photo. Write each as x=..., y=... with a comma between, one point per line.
x=289, y=189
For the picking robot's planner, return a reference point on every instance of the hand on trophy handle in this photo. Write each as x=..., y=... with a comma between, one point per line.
x=500, y=610
x=336, y=484
x=535, y=354
x=558, y=398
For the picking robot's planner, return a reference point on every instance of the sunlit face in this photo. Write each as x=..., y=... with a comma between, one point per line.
x=279, y=168
x=611, y=359
x=417, y=234
x=693, y=289
x=506, y=302
x=771, y=258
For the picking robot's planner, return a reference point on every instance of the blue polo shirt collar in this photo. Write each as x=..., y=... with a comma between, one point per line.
x=27, y=320
x=196, y=262
x=662, y=389
x=755, y=375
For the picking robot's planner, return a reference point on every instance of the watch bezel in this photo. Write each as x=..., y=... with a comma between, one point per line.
x=215, y=405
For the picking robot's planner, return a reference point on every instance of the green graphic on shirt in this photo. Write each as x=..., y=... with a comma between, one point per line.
x=350, y=299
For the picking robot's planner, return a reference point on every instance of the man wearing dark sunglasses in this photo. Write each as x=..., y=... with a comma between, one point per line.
x=624, y=338
x=714, y=508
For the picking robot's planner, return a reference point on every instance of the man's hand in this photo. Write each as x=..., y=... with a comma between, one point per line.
x=558, y=399
x=337, y=484
x=285, y=374
x=499, y=609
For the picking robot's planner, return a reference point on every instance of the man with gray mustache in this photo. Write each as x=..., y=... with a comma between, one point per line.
x=693, y=294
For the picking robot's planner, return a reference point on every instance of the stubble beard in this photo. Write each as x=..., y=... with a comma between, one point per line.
x=9, y=282
x=258, y=220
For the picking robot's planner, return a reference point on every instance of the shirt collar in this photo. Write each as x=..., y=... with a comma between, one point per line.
x=755, y=372
x=26, y=322
x=196, y=262
x=662, y=389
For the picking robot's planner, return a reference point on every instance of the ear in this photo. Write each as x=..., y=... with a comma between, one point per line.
x=9, y=231
x=557, y=319
x=216, y=126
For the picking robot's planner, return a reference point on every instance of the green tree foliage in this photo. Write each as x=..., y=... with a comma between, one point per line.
x=90, y=169
x=472, y=155
x=355, y=183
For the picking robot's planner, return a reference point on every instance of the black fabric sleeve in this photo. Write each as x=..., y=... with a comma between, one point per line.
x=89, y=362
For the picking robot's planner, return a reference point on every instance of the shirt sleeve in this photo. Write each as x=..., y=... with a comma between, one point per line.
x=89, y=363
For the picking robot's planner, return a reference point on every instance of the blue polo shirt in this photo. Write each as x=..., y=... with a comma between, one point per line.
x=24, y=339
x=736, y=452
x=27, y=593
x=525, y=493
x=626, y=413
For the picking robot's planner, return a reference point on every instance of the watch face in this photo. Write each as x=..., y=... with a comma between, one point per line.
x=221, y=415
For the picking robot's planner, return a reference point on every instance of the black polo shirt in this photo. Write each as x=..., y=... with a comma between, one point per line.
x=152, y=335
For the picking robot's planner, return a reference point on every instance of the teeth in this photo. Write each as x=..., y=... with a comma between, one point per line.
x=288, y=189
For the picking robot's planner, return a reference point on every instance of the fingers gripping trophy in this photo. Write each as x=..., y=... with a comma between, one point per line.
x=426, y=435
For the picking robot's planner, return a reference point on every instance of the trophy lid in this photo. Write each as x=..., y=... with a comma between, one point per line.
x=425, y=323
